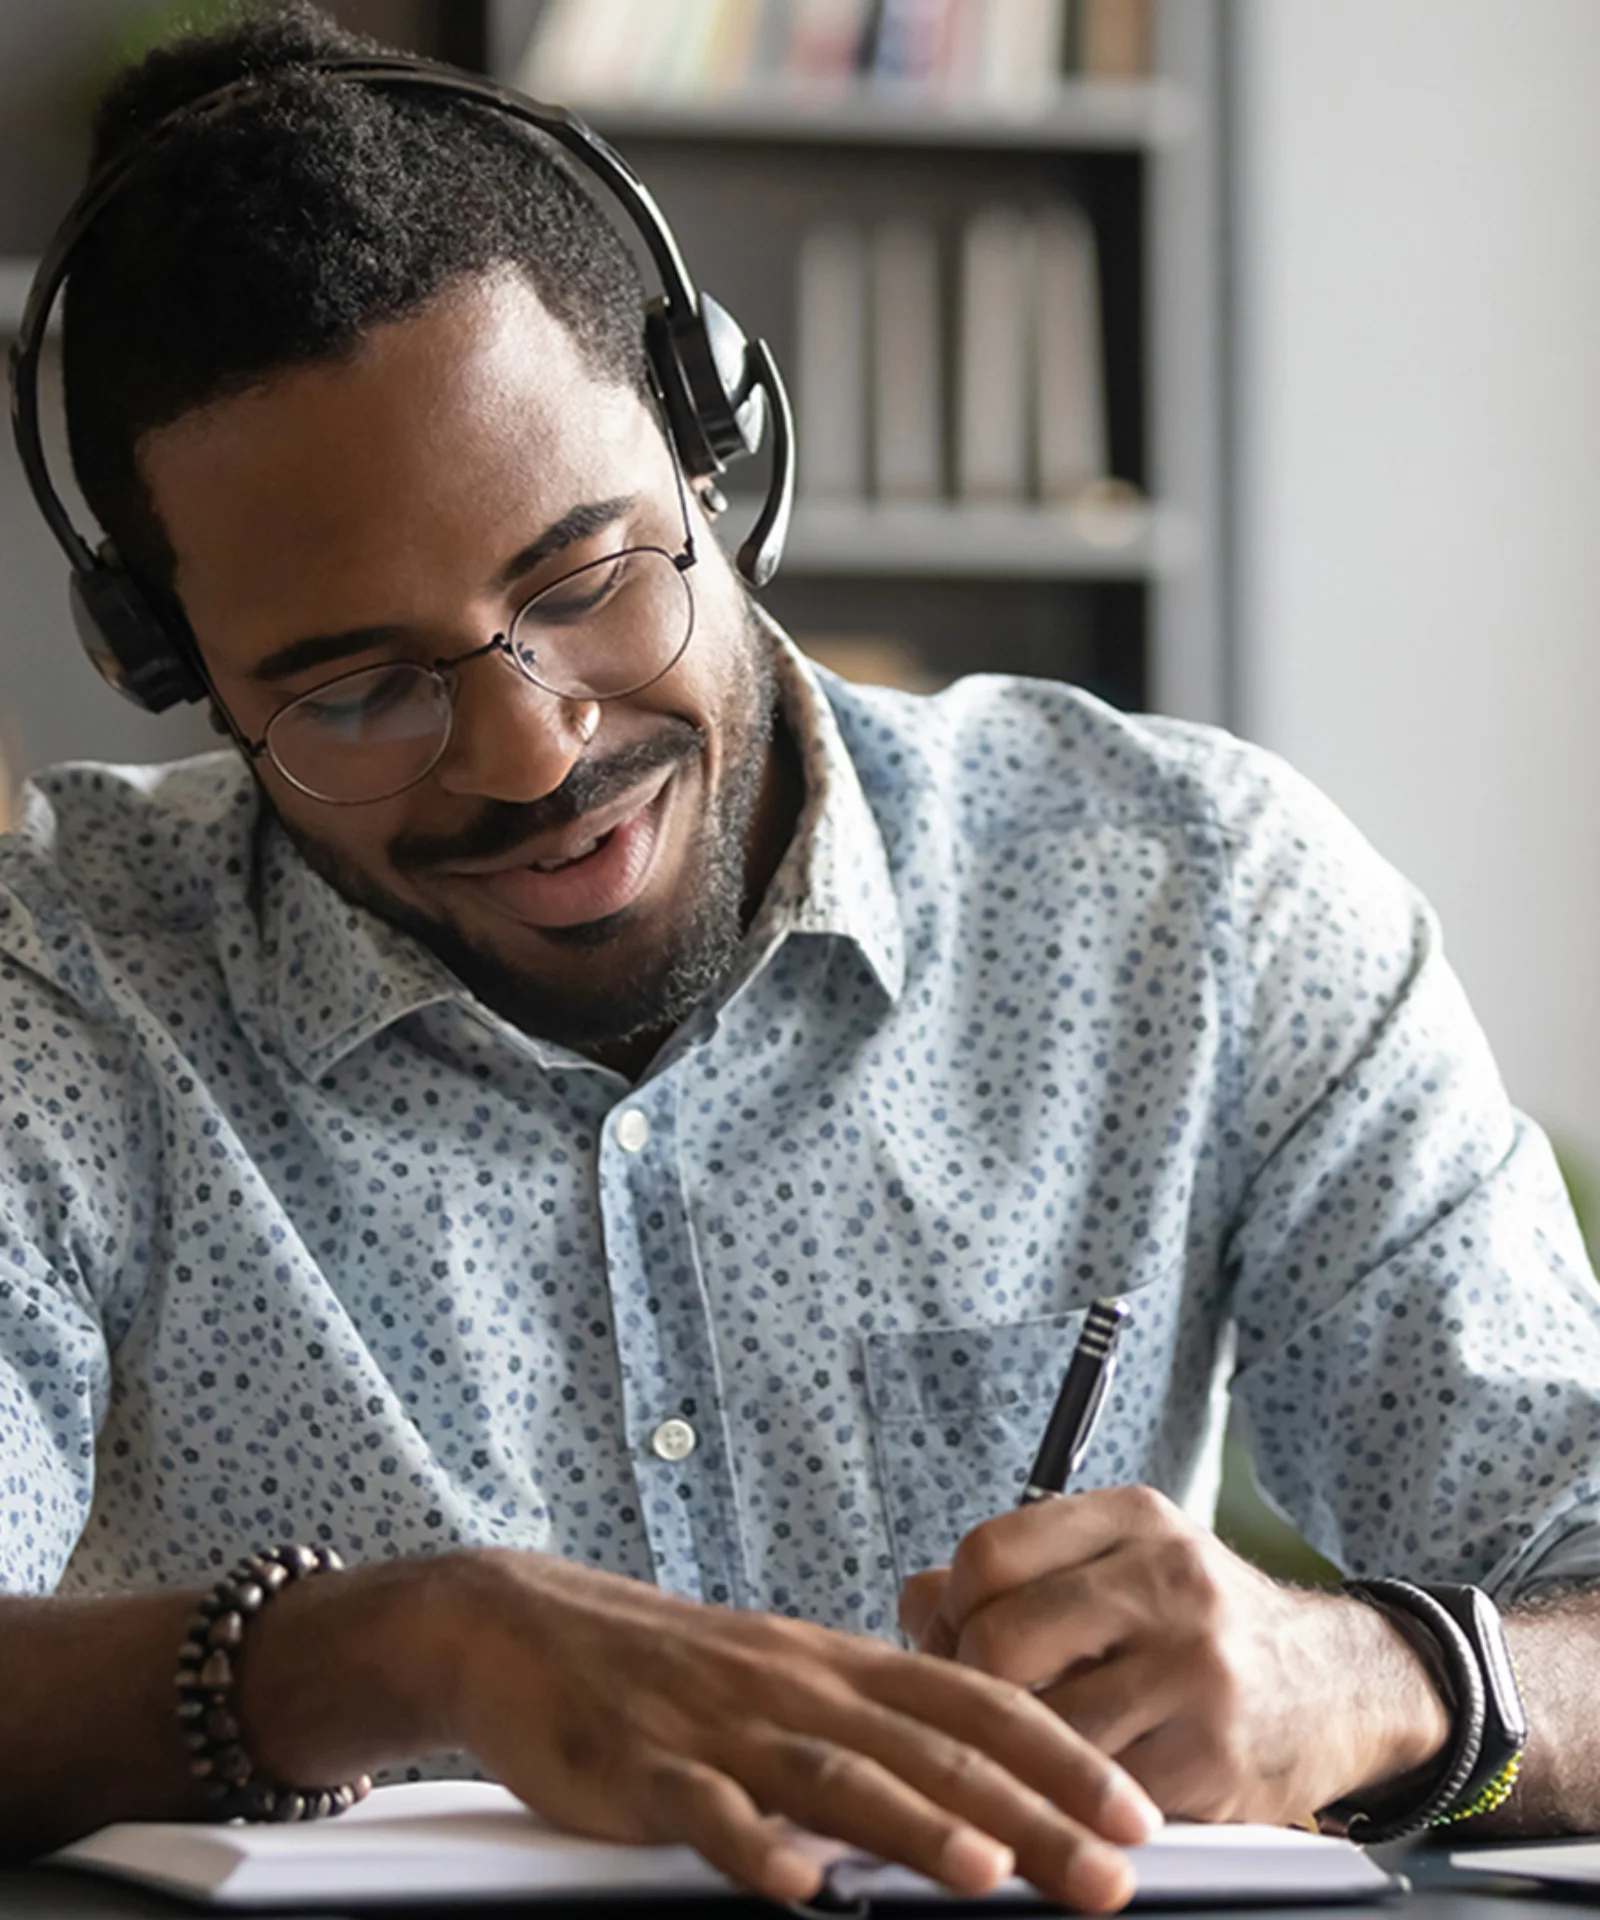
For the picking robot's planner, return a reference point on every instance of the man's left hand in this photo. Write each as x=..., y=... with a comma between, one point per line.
x=1224, y=1694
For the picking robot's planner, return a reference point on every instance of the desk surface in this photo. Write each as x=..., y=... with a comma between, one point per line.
x=1439, y=1894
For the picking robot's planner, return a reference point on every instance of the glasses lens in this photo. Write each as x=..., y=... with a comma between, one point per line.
x=363, y=736
x=608, y=628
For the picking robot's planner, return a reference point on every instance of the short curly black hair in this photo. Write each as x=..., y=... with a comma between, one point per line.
x=277, y=231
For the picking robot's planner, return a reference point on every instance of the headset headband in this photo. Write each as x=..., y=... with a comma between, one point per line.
x=718, y=388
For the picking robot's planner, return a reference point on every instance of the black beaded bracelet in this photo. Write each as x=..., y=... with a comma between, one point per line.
x=207, y=1675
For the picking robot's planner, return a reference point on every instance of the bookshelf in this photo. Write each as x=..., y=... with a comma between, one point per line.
x=1128, y=599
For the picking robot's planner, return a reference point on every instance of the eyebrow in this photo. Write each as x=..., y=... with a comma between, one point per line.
x=320, y=649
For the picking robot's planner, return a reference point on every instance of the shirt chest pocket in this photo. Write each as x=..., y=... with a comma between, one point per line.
x=958, y=1414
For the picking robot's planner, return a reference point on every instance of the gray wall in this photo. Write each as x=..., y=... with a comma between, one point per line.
x=1420, y=376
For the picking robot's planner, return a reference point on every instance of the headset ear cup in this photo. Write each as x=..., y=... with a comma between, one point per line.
x=703, y=369
x=677, y=401
x=737, y=427
x=130, y=647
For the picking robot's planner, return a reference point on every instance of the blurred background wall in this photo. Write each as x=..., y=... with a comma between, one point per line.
x=1416, y=354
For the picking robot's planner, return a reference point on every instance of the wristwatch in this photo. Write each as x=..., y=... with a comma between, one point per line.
x=1461, y=1627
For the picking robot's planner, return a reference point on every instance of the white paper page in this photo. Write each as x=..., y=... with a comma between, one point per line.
x=458, y=1839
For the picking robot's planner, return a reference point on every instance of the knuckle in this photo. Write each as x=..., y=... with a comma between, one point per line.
x=1220, y=1685
x=1043, y=1832
x=953, y=1767
x=1011, y=1713
x=984, y=1644
x=1148, y=1510
x=1188, y=1578
x=980, y=1563
x=822, y=1768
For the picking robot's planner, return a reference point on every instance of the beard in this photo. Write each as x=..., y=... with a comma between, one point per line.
x=688, y=958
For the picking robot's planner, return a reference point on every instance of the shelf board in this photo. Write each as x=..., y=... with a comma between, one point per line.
x=950, y=541
x=1080, y=113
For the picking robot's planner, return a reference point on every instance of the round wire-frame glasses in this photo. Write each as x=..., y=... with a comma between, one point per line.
x=600, y=632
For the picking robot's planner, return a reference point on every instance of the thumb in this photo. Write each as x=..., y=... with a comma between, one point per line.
x=920, y=1619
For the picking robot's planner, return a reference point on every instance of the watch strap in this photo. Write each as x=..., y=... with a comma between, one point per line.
x=1505, y=1718
x=1397, y=1811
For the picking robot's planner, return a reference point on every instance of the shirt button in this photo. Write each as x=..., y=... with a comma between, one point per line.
x=633, y=1130
x=674, y=1440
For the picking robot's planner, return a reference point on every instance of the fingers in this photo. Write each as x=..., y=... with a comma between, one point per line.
x=1115, y=1704
x=1050, y=1536
x=967, y=1830
x=923, y=1761
x=999, y=1747
x=919, y=1603
x=843, y=1792
x=690, y=1803
x=1033, y=1634
x=1199, y=1782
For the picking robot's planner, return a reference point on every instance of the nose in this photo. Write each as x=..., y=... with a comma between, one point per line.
x=511, y=739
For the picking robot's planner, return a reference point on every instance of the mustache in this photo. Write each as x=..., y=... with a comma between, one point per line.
x=504, y=825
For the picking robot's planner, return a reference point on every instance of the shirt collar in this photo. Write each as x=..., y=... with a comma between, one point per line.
x=835, y=877
x=338, y=974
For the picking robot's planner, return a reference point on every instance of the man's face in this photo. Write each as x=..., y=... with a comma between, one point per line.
x=582, y=868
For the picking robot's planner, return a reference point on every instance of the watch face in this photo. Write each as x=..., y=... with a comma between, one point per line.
x=1498, y=1672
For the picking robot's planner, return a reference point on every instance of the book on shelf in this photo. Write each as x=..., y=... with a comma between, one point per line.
x=831, y=362
x=1115, y=39
x=1023, y=382
x=1069, y=407
x=1009, y=54
x=993, y=356
x=906, y=363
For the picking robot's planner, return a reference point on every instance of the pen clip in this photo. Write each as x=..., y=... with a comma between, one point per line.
x=1112, y=1317
x=1091, y=1418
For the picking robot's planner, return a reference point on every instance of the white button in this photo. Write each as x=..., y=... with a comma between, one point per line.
x=633, y=1130
x=674, y=1440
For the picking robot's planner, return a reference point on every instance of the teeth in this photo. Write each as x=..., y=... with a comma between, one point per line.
x=555, y=866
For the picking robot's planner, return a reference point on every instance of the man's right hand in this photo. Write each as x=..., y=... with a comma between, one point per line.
x=619, y=1711
x=622, y=1712
x=610, y=1707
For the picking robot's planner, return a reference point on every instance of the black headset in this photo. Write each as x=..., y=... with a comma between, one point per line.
x=717, y=388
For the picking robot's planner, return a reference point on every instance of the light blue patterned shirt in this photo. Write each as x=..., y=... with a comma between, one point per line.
x=299, y=1241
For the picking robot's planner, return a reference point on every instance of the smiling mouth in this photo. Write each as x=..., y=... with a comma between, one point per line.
x=594, y=877
x=572, y=859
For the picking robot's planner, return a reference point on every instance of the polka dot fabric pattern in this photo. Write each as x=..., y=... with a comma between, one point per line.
x=300, y=1242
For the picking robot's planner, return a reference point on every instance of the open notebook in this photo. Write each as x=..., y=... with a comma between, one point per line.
x=467, y=1840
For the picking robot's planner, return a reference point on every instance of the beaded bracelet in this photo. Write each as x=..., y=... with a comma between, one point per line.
x=1494, y=1793
x=207, y=1676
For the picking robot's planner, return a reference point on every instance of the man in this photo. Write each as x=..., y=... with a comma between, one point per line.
x=614, y=1132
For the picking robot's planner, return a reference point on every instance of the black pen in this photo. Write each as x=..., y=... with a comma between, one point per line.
x=1078, y=1404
